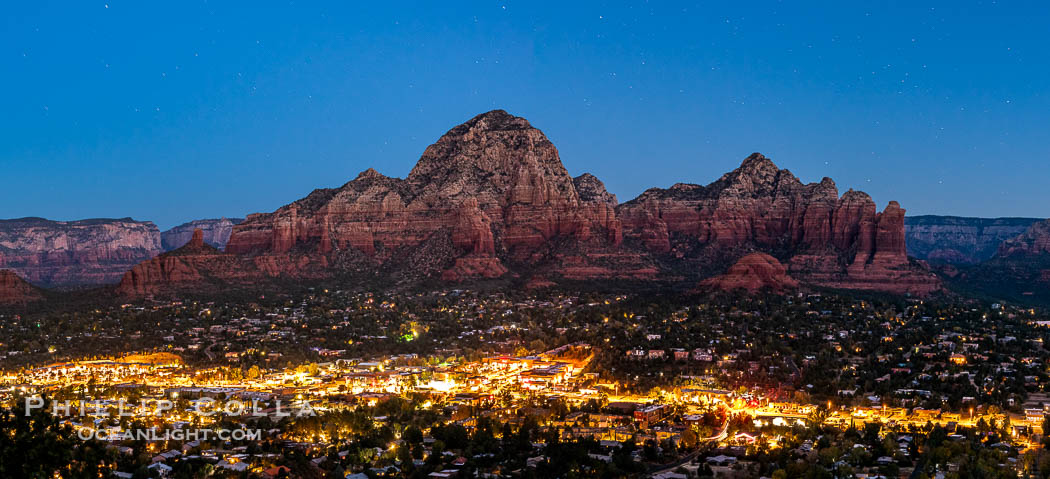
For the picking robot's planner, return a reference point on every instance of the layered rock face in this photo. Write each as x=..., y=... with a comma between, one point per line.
x=958, y=240
x=216, y=232
x=753, y=272
x=197, y=266
x=1035, y=241
x=592, y=190
x=495, y=183
x=491, y=199
x=14, y=290
x=73, y=253
x=181, y=267
x=826, y=240
x=1019, y=271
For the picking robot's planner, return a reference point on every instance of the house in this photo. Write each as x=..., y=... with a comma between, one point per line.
x=670, y=475
x=651, y=414
x=164, y=456
x=273, y=472
x=162, y=469
x=233, y=465
x=702, y=355
x=721, y=460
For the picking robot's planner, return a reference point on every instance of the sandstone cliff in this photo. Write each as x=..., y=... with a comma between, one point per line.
x=73, y=253
x=491, y=199
x=1035, y=241
x=198, y=266
x=826, y=240
x=1019, y=271
x=957, y=240
x=216, y=233
x=495, y=184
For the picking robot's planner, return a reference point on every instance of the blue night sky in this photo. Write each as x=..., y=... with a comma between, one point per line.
x=193, y=110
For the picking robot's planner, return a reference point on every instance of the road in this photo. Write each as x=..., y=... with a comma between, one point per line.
x=207, y=351
x=722, y=434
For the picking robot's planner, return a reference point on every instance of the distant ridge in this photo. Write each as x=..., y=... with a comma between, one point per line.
x=960, y=240
x=75, y=253
x=35, y=220
x=1018, y=272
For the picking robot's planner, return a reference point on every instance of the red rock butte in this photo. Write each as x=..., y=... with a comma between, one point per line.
x=15, y=290
x=753, y=272
x=492, y=199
